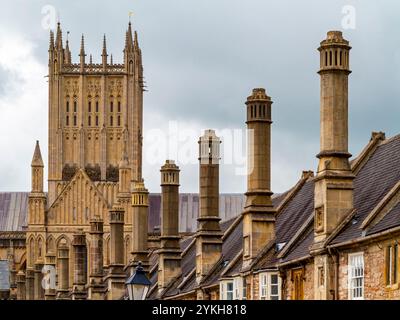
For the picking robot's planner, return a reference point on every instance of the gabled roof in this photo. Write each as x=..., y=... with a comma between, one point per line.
x=377, y=171
x=373, y=182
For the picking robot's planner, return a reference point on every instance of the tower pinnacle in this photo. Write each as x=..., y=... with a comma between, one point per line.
x=37, y=160
x=82, y=52
x=104, y=53
x=59, y=44
x=51, y=45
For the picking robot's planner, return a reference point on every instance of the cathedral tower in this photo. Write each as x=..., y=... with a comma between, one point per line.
x=93, y=108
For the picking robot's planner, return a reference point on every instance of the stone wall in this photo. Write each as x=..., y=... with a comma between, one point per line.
x=375, y=287
x=308, y=282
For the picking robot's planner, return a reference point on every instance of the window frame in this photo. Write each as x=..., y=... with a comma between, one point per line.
x=265, y=285
x=391, y=264
x=350, y=276
x=223, y=289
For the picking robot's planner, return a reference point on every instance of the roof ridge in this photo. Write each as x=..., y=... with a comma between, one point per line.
x=306, y=175
x=232, y=262
x=230, y=229
x=391, y=139
x=358, y=163
x=379, y=208
x=210, y=272
x=299, y=233
x=341, y=225
x=186, y=278
x=261, y=253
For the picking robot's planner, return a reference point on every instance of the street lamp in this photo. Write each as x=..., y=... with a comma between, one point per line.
x=138, y=284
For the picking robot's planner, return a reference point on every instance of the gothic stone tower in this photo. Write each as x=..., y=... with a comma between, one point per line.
x=95, y=152
x=333, y=196
x=93, y=110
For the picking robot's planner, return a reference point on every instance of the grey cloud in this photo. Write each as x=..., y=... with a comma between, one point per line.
x=202, y=58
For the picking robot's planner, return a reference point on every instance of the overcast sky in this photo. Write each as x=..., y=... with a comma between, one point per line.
x=201, y=60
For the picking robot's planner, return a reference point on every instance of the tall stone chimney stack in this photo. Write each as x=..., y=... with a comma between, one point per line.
x=140, y=205
x=116, y=277
x=334, y=180
x=96, y=287
x=333, y=195
x=169, y=266
x=258, y=214
x=208, y=236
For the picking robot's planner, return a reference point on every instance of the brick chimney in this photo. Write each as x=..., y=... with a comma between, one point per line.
x=208, y=236
x=169, y=266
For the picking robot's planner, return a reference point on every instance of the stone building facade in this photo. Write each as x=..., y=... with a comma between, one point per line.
x=332, y=236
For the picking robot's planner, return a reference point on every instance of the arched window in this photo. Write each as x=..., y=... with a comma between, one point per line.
x=50, y=245
x=67, y=107
x=97, y=106
x=112, y=106
x=40, y=248
x=111, y=120
x=89, y=121
x=74, y=120
x=75, y=106
x=31, y=252
x=90, y=106
x=330, y=58
x=119, y=120
x=97, y=120
x=119, y=106
x=67, y=121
